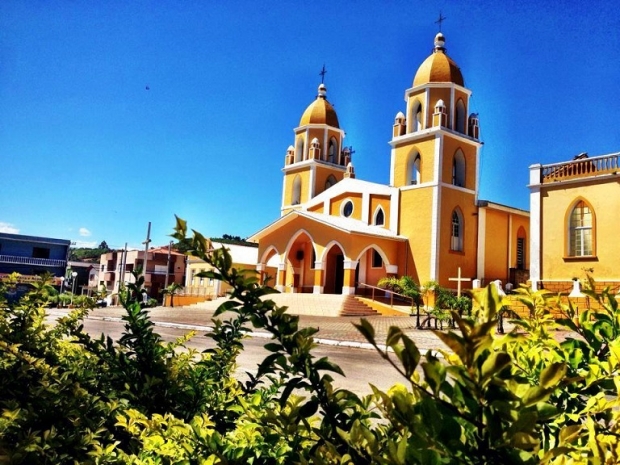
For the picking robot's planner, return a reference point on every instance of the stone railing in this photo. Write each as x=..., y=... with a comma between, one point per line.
x=581, y=168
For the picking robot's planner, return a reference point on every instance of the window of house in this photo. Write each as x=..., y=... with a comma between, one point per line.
x=347, y=209
x=379, y=217
x=377, y=261
x=580, y=236
x=456, y=239
x=296, y=197
x=40, y=252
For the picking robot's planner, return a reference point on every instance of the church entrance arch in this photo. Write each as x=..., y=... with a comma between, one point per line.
x=334, y=270
x=300, y=263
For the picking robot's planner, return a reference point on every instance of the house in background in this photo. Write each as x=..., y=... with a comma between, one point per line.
x=573, y=207
x=164, y=265
x=244, y=256
x=32, y=256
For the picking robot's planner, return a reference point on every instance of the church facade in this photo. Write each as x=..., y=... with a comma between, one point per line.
x=337, y=233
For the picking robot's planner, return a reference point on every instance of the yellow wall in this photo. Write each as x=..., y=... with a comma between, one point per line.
x=414, y=221
x=337, y=203
x=556, y=202
x=469, y=152
x=382, y=201
x=496, y=245
x=289, y=178
x=426, y=148
x=449, y=260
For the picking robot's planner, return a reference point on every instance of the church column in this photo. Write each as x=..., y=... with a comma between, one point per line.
x=318, y=278
x=348, y=285
x=281, y=279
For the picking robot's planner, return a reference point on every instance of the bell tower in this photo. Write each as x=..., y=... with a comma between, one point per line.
x=434, y=163
x=317, y=159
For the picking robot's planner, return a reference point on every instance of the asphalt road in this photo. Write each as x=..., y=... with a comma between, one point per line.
x=361, y=366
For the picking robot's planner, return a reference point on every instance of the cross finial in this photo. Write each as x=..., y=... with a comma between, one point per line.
x=322, y=74
x=440, y=20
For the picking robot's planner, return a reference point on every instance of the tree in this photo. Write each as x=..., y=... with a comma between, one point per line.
x=171, y=290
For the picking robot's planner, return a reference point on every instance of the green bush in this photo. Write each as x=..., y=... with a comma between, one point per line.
x=519, y=398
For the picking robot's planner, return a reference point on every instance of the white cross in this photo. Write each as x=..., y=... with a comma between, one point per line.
x=459, y=280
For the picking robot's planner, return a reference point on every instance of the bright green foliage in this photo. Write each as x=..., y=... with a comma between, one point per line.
x=519, y=398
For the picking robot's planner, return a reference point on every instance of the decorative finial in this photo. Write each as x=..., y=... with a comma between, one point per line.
x=322, y=74
x=440, y=20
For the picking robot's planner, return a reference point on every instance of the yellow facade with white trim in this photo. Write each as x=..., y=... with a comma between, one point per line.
x=339, y=234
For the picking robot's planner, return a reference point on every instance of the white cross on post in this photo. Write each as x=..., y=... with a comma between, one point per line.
x=459, y=280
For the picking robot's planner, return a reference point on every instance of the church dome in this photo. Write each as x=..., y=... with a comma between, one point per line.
x=438, y=67
x=320, y=111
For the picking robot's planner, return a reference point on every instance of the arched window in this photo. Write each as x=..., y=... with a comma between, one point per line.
x=456, y=234
x=299, y=150
x=458, y=169
x=331, y=180
x=333, y=150
x=296, y=197
x=379, y=217
x=413, y=169
x=460, y=117
x=580, y=235
x=417, y=118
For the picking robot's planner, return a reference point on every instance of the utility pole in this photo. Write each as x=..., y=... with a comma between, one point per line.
x=146, y=252
x=168, y=265
x=123, y=264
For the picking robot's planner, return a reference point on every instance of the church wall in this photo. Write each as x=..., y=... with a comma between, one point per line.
x=496, y=246
x=415, y=224
x=305, y=185
x=337, y=202
x=384, y=202
x=451, y=145
x=321, y=175
x=426, y=148
x=316, y=208
x=449, y=260
x=556, y=202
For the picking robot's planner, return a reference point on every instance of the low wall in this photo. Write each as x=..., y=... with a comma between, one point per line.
x=183, y=300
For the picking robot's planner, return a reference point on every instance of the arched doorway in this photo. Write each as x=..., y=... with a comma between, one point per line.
x=334, y=270
x=300, y=260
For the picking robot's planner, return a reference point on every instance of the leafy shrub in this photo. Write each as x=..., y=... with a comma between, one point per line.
x=519, y=398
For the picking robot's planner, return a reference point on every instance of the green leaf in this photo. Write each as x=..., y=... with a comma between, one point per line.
x=494, y=363
x=325, y=364
x=367, y=330
x=552, y=375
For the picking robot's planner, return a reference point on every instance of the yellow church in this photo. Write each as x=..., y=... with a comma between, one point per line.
x=337, y=233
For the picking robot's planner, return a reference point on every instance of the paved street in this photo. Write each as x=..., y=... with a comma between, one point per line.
x=332, y=330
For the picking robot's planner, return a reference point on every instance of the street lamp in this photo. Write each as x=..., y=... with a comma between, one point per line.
x=62, y=283
x=73, y=286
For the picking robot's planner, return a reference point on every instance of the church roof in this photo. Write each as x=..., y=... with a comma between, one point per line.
x=353, y=186
x=320, y=111
x=347, y=225
x=438, y=67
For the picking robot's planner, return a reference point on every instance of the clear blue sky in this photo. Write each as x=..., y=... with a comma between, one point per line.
x=89, y=154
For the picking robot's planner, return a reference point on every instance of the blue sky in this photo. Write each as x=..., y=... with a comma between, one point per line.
x=89, y=154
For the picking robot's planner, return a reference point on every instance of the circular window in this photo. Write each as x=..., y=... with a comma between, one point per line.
x=347, y=208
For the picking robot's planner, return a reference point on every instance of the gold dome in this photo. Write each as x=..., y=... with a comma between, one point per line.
x=438, y=67
x=320, y=111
